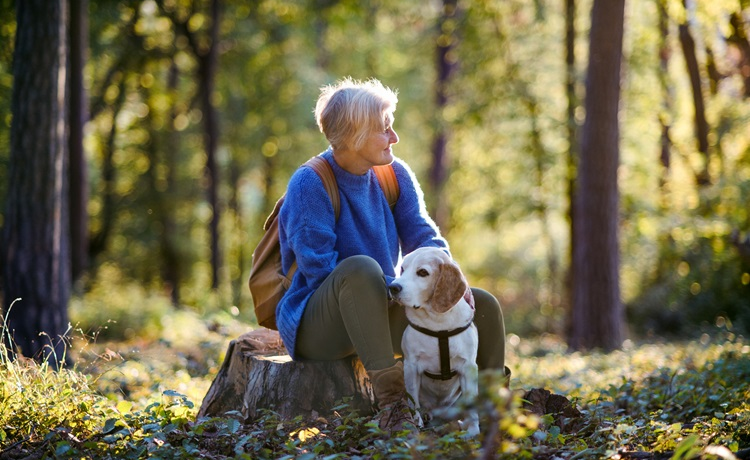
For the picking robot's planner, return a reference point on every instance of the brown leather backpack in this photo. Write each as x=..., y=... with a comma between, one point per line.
x=268, y=282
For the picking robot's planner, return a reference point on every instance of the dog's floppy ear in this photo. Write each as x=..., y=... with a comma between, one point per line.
x=450, y=286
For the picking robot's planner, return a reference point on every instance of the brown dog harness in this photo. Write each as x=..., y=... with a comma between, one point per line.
x=446, y=373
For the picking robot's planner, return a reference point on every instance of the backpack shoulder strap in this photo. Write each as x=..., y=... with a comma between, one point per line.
x=388, y=182
x=324, y=170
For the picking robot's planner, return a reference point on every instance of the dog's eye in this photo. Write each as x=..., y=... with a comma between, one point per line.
x=422, y=273
x=402, y=270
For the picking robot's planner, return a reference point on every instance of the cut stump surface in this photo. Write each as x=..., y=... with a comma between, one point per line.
x=257, y=373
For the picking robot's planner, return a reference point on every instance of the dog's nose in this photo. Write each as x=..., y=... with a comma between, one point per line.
x=394, y=289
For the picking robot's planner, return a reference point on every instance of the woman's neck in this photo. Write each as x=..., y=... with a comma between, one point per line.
x=350, y=161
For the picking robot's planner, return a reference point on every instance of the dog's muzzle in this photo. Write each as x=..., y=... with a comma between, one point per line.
x=393, y=294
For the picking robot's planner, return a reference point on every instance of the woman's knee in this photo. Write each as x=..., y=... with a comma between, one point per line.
x=360, y=283
x=485, y=300
x=488, y=309
x=488, y=319
x=361, y=267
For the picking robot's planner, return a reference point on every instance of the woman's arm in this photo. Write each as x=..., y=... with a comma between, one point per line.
x=415, y=226
x=306, y=228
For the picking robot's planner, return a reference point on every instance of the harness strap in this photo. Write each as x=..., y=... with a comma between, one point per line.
x=446, y=373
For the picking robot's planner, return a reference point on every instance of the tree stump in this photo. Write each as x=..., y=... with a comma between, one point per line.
x=257, y=373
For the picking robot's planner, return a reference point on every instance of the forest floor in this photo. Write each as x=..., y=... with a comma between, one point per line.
x=681, y=399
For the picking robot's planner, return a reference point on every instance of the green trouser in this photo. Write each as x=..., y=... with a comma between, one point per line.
x=350, y=314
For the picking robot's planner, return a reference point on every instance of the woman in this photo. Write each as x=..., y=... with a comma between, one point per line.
x=338, y=303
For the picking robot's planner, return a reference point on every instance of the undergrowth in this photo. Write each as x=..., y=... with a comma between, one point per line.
x=670, y=400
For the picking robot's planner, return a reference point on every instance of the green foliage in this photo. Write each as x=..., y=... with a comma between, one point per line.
x=684, y=400
x=700, y=282
x=115, y=309
x=649, y=398
x=705, y=403
x=41, y=406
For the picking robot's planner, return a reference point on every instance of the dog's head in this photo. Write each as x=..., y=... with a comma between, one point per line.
x=431, y=279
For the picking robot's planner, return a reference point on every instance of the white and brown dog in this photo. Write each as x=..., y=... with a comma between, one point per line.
x=440, y=343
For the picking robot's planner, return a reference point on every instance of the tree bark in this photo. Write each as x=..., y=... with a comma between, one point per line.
x=597, y=313
x=446, y=64
x=235, y=209
x=172, y=269
x=35, y=239
x=257, y=374
x=687, y=42
x=572, y=132
x=207, y=64
x=665, y=116
x=79, y=191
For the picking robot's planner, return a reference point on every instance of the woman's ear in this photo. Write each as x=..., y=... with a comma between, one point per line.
x=449, y=288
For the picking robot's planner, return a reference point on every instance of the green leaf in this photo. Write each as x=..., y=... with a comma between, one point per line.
x=687, y=449
x=151, y=427
x=124, y=407
x=174, y=394
x=239, y=447
x=233, y=425
x=62, y=448
x=109, y=425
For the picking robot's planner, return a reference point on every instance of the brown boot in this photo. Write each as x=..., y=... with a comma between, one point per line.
x=388, y=385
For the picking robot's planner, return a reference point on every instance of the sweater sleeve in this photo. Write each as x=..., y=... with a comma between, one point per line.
x=415, y=226
x=306, y=228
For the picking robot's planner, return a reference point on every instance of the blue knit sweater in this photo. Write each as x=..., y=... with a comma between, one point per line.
x=310, y=233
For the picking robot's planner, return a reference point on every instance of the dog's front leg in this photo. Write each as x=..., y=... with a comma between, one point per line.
x=412, y=382
x=468, y=379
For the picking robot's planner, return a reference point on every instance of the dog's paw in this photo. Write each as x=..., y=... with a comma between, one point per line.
x=418, y=419
x=471, y=426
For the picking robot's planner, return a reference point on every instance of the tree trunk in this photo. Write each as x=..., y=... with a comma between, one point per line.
x=665, y=116
x=714, y=75
x=161, y=152
x=738, y=38
x=79, y=192
x=597, y=312
x=572, y=133
x=237, y=280
x=99, y=241
x=35, y=239
x=171, y=260
x=257, y=374
x=206, y=54
x=701, y=125
x=207, y=63
x=446, y=66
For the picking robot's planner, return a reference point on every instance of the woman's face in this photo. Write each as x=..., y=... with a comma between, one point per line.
x=377, y=148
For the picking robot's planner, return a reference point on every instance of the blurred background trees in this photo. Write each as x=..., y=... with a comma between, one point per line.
x=198, y=111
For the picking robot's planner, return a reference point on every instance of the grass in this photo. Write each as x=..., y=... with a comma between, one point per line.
x=139, y=398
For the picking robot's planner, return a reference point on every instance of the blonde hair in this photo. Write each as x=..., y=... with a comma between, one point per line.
x=348, y=111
